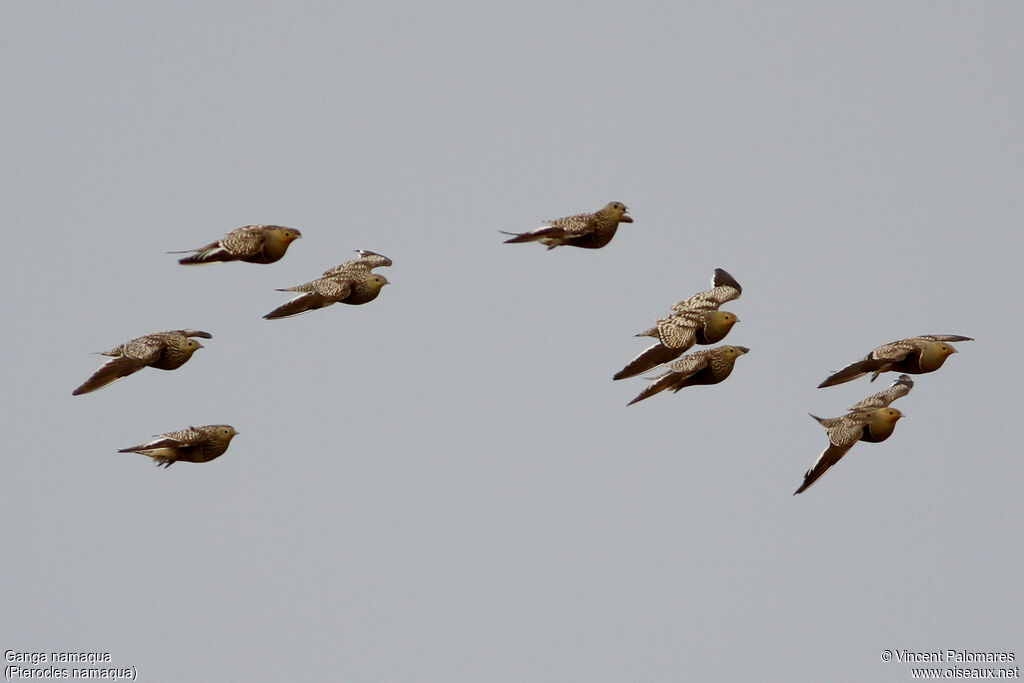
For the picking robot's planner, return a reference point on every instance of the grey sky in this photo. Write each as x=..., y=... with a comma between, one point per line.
x=445, y=484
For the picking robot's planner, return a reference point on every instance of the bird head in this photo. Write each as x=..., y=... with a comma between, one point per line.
x=617, y=210
x=717, y=324
x=226, y=432
x=934, y=355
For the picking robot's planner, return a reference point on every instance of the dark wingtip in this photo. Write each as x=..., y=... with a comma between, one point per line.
x=651, y=357
x=724, y=279
x=853, y=371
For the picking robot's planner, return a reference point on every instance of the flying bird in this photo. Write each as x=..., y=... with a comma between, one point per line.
x=707, y=366
x=868, y=420
x=585, y=230
x=352, y=282
x=193, y=444
x=250, y=243
x=695, y=320
x=162, y=350
x=843, y=432
x=915, y=356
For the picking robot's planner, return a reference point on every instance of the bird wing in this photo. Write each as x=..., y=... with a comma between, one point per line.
x=335, y=288
x=111, y=371
x=661, y=383
x=372, y=259
x=368, y=260
x=898, y=350
x=944, y=337
x=191, y=333
x=244, y=241
x=724, y=288
x=843, y=433
x=900, y=387
x=145, y=349
x=651, y=357
x=690, y=364
x=572, y=226
x=829, y=457
x=189, y=436
x=165, y=444
x=901, y=348
x=680, y=331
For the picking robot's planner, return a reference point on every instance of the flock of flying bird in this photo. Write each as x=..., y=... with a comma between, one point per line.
x=692, y=321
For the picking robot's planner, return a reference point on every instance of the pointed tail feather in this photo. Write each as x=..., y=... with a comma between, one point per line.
x=534, y=235
x=212, y=254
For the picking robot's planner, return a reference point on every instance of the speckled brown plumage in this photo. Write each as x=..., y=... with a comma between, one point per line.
x=707, y=366
x=192, y=444
x=162, y=350
x=368, y=260
x=695, y=320
x=250, y=243
x=352, y=282
x=900, y=387
x=873, y=425
x=915, y=356
x=585, y=230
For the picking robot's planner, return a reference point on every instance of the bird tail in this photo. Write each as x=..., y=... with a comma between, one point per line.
x=651, y=357
x=211, y=253
x=162, y=455
x=550, y=235
x=853, y=371
x=520, y=237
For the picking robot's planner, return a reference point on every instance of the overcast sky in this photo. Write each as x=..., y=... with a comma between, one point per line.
x=445, y=484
